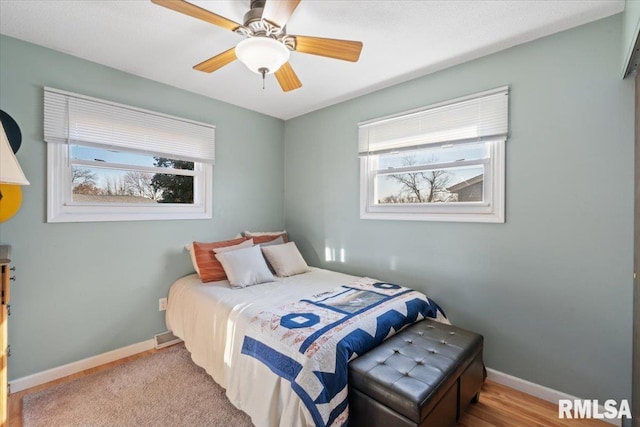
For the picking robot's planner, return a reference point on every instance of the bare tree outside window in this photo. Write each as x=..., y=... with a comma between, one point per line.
x=114, y=186
x=82, y=176
x=420, y=187
x=84, y=181
x=141, y=184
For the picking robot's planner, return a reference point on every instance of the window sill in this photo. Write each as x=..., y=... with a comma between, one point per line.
x=123, y=216
x=440, y=217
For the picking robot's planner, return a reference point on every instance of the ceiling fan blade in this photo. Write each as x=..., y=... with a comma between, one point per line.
x=198, y=12
x=278, y=12
x=218, y=61
x=287, y=78
x=345, y=50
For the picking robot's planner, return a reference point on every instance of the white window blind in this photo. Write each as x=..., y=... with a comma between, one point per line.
x=476, y=117
x=74, y=118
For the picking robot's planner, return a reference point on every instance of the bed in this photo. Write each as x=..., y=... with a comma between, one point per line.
x=248, y=339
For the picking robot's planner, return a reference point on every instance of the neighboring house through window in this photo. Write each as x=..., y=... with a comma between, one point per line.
x=112, y=162
x=444, y=162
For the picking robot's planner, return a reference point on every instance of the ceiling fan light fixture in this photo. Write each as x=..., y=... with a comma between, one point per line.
x=267, y=46
x=259, y=53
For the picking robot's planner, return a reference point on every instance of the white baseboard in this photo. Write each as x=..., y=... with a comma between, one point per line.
x=33, y=380
x=537, y=390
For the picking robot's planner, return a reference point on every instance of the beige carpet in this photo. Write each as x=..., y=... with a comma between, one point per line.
x=164, y=389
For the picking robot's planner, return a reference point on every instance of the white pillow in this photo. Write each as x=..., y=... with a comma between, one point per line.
x=245, y=267
x=192, y=253
x=285, y=259
x=245, y=244
x=189, y=247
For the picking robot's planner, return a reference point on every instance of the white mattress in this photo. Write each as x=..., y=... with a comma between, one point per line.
x=211, y=318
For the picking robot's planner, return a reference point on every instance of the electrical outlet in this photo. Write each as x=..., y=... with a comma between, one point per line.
x=162, y=304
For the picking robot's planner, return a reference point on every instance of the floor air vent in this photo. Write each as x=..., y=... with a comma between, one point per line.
x=166, y=339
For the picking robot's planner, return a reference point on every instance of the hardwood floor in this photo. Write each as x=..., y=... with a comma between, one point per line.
x=498, y=406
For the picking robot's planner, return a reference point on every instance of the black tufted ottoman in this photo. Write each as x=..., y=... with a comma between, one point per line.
x=426, y=375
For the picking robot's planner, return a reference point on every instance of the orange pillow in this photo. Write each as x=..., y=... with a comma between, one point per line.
x=269, y=237
x=210, y=268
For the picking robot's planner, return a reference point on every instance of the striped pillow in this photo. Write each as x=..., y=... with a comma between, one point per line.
x=209, y=268
x=259, y=238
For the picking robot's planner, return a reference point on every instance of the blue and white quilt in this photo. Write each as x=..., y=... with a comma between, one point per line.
x=310, y=342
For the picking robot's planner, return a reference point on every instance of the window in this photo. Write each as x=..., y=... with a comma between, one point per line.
x=444, y=162
x=112, y=162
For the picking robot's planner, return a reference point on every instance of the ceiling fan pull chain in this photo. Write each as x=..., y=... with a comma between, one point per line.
x=264, y=72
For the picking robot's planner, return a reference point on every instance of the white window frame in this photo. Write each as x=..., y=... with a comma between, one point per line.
x=492, y=209
x=62, y=208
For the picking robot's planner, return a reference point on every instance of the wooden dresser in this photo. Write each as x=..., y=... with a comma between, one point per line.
x=4, y=302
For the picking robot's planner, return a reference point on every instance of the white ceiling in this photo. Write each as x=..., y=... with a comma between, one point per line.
x=403, y=39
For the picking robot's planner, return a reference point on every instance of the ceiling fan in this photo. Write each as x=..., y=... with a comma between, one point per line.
x=267, y=46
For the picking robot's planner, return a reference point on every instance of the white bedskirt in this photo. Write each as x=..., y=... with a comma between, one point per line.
x=212, y=319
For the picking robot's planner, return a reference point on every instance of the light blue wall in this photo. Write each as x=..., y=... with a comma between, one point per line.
x=551, y=289
x=86, y=288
